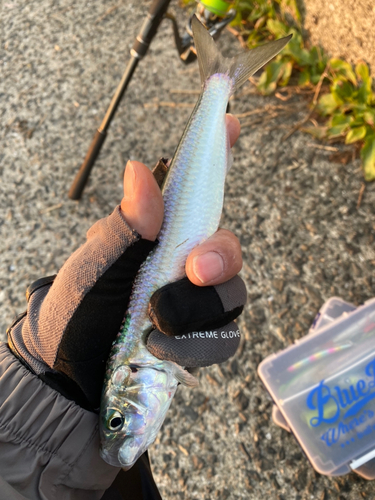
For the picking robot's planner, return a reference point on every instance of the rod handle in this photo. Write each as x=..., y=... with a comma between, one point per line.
x=159, y=8
x=148, y=30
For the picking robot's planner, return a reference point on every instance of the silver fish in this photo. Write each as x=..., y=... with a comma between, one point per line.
x=139, y=387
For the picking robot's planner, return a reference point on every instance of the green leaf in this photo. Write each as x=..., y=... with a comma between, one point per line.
x=304, y=78
x=342, y=91
x=323, y=60
x=294, y=47
x=368, y=158
x=277, y=28
x=340, y=119
x=337, y=131
x=339, y=124
x=369, y=117
x=237, y=21
x=265, y=87
x=357, y=107
x=355, y=134
x=254, y=39
x=297, y=52
x=244, y=5
x=358, y=120
x=343, y=69
x=363, y=72
x=365, y=94
x=315, y=77
x=288, y=68
x=270, y=76
x=314, y=55
x=327, y=104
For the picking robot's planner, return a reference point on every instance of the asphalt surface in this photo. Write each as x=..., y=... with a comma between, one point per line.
x=305, y=230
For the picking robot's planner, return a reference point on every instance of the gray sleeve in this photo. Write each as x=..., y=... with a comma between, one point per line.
x=49, y=446
x=37, y=336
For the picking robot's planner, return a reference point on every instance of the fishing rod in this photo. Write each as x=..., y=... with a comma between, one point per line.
x=215, y=14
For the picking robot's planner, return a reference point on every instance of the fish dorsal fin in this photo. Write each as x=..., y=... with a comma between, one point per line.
x=239, y=68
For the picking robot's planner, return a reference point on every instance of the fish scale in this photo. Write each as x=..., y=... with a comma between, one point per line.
x=139, y=387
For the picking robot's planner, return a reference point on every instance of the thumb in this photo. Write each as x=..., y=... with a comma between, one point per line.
x=142, y=205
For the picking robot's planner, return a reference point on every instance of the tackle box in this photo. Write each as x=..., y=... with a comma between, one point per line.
x=324, y=389
x=331, y=310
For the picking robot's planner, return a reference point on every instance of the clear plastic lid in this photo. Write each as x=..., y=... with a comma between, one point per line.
x=329, y=312
x=324, y=387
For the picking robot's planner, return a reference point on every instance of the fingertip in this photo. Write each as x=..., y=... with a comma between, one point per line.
x=216, y=260
x=233, y=127
x=142, y=205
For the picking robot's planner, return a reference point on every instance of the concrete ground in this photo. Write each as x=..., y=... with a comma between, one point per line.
x=301, y=211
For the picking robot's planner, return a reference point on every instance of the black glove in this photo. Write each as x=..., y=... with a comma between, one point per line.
x=194, y=325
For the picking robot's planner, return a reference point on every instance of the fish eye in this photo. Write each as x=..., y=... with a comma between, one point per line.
x=115, y=420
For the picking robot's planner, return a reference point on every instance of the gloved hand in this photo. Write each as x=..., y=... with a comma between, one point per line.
x=72, y=319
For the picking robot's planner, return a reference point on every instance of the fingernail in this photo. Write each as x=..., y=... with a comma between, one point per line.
x=129, y=181
x=208, y=266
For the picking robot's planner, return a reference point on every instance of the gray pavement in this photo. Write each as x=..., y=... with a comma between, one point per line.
x=292, y=204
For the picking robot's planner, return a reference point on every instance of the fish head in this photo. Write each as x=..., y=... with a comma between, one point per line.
x=133, y=409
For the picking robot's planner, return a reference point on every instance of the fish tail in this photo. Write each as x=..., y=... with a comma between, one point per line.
x=239, y=68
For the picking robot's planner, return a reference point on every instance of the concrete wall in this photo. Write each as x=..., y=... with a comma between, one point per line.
x=345, y=28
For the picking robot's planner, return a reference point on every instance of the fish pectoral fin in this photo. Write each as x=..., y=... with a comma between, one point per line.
x=183, y=376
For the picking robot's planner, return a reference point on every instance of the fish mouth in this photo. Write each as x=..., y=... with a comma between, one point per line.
x=130, y=450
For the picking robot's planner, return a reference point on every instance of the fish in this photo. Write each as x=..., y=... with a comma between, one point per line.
x=138, y=387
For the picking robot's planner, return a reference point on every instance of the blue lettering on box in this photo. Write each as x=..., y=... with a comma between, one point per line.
x=346, y=402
